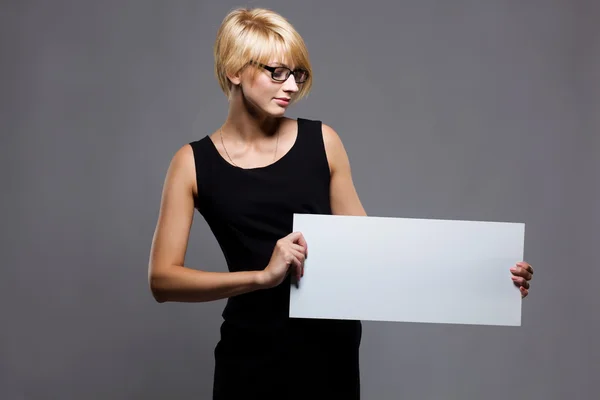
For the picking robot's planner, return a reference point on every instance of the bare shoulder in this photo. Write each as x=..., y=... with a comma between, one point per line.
x=334, y=148
x=182, y=168
x=331, y=138
x=183, y=157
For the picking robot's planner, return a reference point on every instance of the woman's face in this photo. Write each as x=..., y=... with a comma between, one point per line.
x=265, y=94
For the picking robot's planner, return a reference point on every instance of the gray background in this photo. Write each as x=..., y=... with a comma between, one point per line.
x=483, y=110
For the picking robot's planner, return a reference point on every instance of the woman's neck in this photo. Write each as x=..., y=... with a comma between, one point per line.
x=246, y=125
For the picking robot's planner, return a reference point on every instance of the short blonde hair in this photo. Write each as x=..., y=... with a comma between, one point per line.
x=258, y=35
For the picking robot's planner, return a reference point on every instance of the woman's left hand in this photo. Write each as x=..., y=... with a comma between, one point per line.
x=522, y=274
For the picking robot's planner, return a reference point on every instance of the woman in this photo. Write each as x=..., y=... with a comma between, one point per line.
x=247, y=179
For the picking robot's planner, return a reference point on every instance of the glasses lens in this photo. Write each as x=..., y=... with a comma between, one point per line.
x=281, y=74
x=300, y=75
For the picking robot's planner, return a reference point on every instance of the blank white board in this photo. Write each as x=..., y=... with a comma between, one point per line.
x=409, y=270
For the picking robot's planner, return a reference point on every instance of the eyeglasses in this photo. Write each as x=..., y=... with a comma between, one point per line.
x=281, y=74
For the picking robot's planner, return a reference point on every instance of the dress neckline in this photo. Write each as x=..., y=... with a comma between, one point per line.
x=264, y=167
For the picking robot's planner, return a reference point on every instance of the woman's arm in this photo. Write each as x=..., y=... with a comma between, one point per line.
x=168, y=278
x=344, y=199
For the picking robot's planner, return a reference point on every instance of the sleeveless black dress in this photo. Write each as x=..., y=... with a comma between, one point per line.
x=262, y=353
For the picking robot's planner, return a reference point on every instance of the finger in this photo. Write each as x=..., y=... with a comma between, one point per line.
x=524, y=292
x=298, y=248
x=299, y=254
x=520, y=271
x=524, y=273
x=525, y=266
x=299, y=239
x=297, y=263
x=520, y=281
x=288, y=263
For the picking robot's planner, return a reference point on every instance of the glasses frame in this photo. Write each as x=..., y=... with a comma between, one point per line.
x=288, y=74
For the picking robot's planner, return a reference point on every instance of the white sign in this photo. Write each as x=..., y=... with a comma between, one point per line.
x=412, y=270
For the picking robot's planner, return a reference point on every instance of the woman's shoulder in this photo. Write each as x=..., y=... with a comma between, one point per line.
x=183, y=160
x=318, y=125
x=331, y=139
x=200, y=151
x=189, y=156
x=323, y=135
x=198, y=144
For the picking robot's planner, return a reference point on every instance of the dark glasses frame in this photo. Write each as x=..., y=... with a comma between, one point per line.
x=289, y=72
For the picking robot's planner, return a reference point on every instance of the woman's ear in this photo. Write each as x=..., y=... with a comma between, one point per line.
x=236, y=78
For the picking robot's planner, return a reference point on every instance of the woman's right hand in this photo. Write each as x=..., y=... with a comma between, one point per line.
x=289, y=255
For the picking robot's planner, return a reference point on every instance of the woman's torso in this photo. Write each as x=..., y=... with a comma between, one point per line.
x=248, y=210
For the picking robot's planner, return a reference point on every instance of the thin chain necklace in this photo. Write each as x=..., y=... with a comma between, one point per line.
x=228, y=156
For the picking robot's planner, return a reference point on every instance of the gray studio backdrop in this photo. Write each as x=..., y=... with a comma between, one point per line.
x=478, y=110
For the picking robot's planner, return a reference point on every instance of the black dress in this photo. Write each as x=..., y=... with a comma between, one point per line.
x=262, y=353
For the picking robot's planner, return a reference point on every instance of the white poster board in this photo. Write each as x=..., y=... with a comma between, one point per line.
x=411, y=270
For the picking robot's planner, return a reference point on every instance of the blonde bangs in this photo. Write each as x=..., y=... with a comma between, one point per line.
x=258, y=35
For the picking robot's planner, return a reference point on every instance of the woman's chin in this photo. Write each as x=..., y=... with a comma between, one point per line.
x=275, y=112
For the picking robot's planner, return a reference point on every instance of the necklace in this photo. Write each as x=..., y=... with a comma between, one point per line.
x=228, y=156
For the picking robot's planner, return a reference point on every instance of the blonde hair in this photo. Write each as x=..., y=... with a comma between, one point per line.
x=258, y=35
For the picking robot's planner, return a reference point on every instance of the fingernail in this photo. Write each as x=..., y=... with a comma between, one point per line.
x=513, y=269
